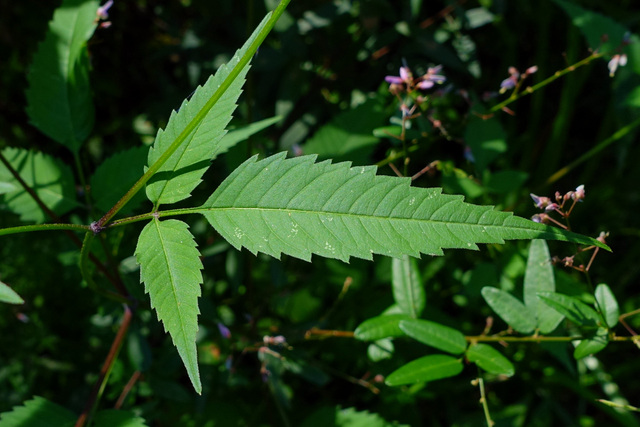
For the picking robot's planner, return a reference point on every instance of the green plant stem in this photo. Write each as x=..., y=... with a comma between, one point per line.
x=396, y=156
x=98, y=388
x=191, y=126
x=483, y=402
x=43, y=227
x=601, y=146
x=122, y=296
x=81, y=177
x=530, y=89
x=157, y=214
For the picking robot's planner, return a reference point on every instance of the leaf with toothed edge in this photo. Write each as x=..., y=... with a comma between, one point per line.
x=170, y=269
x=299, y=208
x=183, y=171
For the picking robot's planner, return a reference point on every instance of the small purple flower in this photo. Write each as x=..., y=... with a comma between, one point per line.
x=405, y=77
x=431, y=78
x=531, y=70
x=103, y=11
x=578, y=195
x=617, y=60
x=540, y=218
x=541, y=202
x=224, y=331
x=511, y=81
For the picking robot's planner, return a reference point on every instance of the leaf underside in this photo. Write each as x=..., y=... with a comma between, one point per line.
x=299, y=208
x=170, y=269
x=38, y=412
x=59, y=96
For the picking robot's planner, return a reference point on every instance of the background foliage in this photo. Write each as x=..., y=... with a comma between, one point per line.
x=323, y=71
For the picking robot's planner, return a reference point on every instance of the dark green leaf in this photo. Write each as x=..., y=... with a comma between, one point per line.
x=487, y=140
x=510, y=309
x=607, y=304
x=115, y=418
x=59, y=96
x=574, y=309
x=435, y=335
x=298, y=207
x=490, y=359
x=380, y=327
x=115, y=176
x=592, y=345
x=408, y=290
x=538, y=277
x=170, y=269
x=8, y=295
x=51, y=179
x=38, y=412
x=347, y=417
x=236, y=136
x=425, y=369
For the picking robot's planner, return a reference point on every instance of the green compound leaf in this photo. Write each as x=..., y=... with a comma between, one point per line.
x=170, y=269
x=380, y=327
x=38, y=412
x=115, y=418
x=538, y=277
x=59, y=96
x=607, y=304
x=490, y=359
x=51, y=179
x=592, y=345
x=510, y=309
x=408, y=291
x=425, y=369
x=299, y=208
x=435, y=335
x=575, y=310
x=183, y=171
x=8, y=295
x=115, y=176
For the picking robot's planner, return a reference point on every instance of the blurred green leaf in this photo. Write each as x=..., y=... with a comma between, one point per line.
x=592, y=345
x=349, y=136
x=38, y=412
x=510, y=309
x=602, y=33
x=347, y=417
x=425, y=369
x=380, y=327
x=574, y=309
x=490, y=359
x=59, y=95
x=487, y=140
x=380, y=350
x=115, y=418
x=539, y=277
x=113, y=178
x=408, y=290
x=505, y=181
x=435, y=335
x=607, y=304
x=8, y=295
x=51, y=179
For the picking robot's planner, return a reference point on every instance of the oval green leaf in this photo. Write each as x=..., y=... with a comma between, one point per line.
x=428, y=368
x=380, y=327
x=539, y=278
x=435, y=335
x=592, y=345
x=490, y=359
x=408, y=290
x=607, y=304
x=575, y=310
x=510, y=309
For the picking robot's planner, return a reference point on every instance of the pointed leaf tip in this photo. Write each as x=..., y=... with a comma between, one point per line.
x=298, y=207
